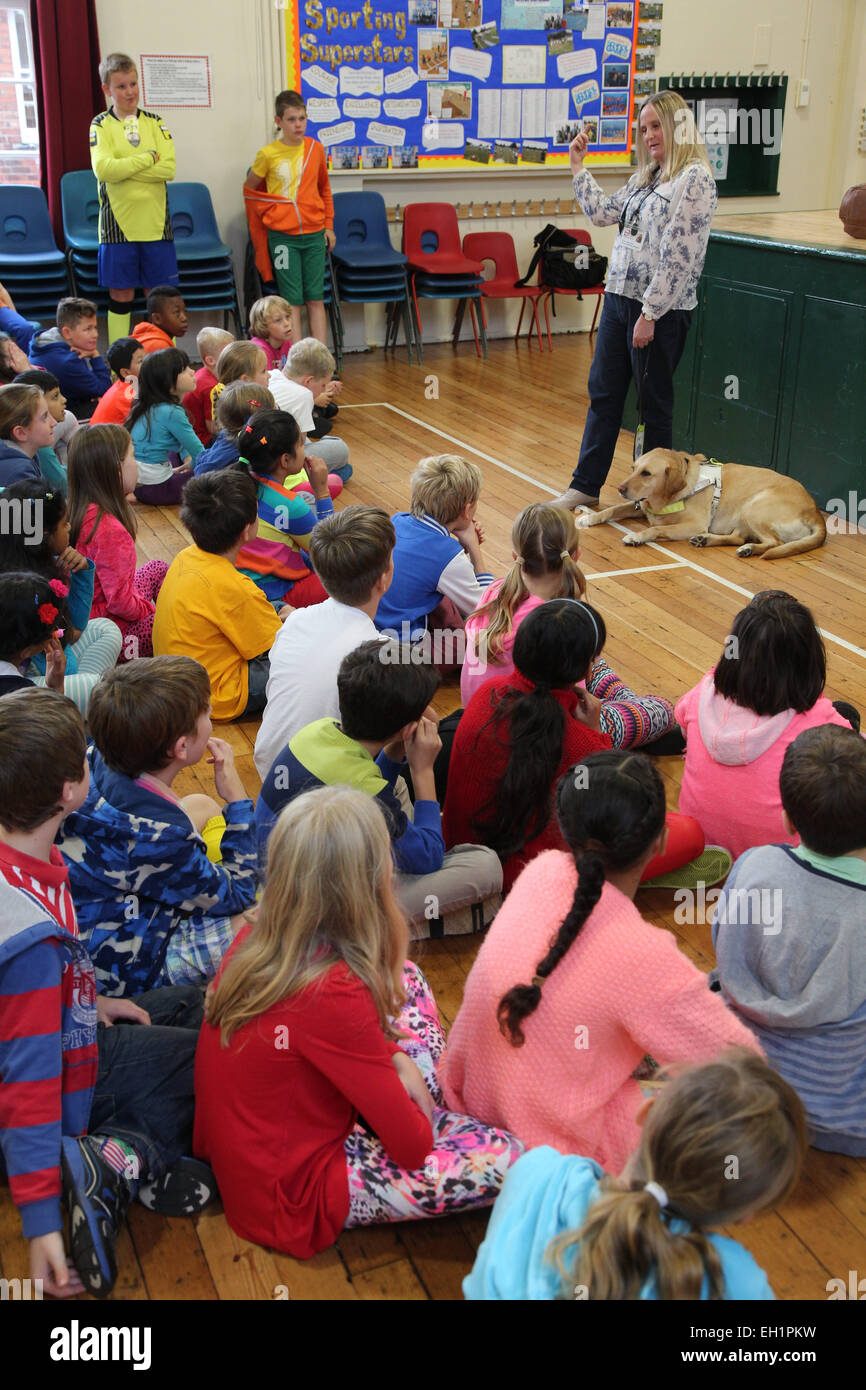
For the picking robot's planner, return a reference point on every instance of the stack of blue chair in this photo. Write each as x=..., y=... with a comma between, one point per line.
x=79, y=201
x=369, y=270
x=204, y=262
x=31, y=267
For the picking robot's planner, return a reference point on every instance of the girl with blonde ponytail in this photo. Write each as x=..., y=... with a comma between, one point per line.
x=315, y=1019
x=545, y=544
x=562, y=1228
x=572, y=988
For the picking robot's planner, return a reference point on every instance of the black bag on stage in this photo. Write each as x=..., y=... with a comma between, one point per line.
x=565, y=263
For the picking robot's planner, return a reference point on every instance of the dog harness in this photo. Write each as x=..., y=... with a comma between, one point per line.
x=709, y=475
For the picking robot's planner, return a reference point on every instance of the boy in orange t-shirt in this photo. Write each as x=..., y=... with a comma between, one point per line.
x=124, y=356
x=292, y=222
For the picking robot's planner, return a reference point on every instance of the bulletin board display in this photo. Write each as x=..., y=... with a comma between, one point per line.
x=477, y=85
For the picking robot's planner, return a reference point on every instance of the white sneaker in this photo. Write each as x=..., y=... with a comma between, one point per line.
x=572, y=498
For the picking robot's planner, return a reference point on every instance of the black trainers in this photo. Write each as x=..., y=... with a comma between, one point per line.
x=97, y=1197
x=182, y=1190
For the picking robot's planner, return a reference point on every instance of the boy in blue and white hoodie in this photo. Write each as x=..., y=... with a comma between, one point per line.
x=790, y=937
x=439, y=576
x=154, y=908
x=70, y=352
x=63, y=1130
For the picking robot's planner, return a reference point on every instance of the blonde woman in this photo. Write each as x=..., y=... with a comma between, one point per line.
x=664, y=214
x=562, y=1228
x=317, y=1019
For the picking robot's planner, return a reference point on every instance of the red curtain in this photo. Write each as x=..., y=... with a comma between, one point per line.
x=66, y=52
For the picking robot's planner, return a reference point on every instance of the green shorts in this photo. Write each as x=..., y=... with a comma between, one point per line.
x=299, y=265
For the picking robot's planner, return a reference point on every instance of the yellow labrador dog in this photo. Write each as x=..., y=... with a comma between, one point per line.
x=686, y=498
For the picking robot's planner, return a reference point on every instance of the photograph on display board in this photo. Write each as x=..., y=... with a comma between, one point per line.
x=479, y=151
x=616, y=75
x=485, y=36
x=404, y=157
x=648, y=36
x=620, y=16
x=535, y=15
x=374, y=157
x=432, y=53
x=465, y=14
x=449, y=101
x=575, y=14
x=562, y=41
x=614, y=103
x=644, y=86
x=533, y=152
x=506, y=152
x=613, y=132
x=422, y=13
x=345, y=157
x=645, y=62
x=566, y=133
x=590, y=125
x=647, y=10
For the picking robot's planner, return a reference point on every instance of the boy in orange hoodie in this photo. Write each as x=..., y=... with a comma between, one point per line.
x=291, y=213
x=166, y=320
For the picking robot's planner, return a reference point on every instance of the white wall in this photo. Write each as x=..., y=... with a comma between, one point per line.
x=823, y=39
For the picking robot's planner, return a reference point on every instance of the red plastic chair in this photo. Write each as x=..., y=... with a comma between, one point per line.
x=431, y=242
x=498, y=247
x=583, y=239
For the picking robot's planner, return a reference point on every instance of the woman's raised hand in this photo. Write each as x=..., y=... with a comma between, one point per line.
x=576, y=151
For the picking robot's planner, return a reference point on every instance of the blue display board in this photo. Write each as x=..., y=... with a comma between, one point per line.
x=471, y=84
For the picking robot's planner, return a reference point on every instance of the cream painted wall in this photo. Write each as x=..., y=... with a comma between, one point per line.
x=819, y=158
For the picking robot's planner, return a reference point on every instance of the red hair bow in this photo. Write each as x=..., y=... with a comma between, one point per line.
x=47, y=612
x=58, y=587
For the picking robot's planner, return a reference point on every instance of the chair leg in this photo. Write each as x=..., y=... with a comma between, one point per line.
x=537, y=327
x=520, y=320
x=482, y=328
x=475, y=325
x=547, y=322
x=416, y=331
x=458, y=322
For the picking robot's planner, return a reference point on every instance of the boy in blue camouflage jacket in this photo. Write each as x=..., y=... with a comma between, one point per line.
x=153, y=908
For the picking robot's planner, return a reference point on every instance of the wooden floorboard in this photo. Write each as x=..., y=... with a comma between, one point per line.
x=666, y=627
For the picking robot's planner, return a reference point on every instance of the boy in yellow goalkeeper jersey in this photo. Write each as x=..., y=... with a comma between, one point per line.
x=132, y=154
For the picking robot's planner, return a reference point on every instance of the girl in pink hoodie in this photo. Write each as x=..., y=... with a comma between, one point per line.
x=766, y=689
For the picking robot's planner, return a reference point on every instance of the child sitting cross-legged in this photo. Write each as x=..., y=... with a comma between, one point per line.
x=277, y=557
x=790, y=940
x=439, y=577
x=316, y=1094
x=102, y=525
x=91, y=1113
x=153, y=908
x=562, y=1228
x=305, y=387
x=166, y=445
x=572, y=988
x=71, y=352
x=384, y=716
x=206, y=608
x=124, y=357
x=234, y=406
x=198, y=403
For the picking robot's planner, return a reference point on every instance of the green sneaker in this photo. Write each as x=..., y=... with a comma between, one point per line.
x=709, y=868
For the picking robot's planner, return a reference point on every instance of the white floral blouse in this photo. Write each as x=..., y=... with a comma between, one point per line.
x=659, y=253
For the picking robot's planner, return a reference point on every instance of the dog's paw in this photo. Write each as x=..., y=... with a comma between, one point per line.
x=698, y=540
x=632, y=539
x=583, y=518
x=745, y=551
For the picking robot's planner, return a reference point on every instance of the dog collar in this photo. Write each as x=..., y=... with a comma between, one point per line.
x=710, y=475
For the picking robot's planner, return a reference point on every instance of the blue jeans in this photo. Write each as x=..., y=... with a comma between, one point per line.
x=144, y=1090
x=614, y=365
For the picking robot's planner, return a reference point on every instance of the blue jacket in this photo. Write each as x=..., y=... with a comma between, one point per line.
x=18, y=328
x=16, y=466
x=138, y=868
x=322, y=755
x=220, y=454
x=82, y=379
x=546, y=1194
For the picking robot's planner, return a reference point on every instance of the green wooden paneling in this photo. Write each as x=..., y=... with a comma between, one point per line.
x=828, y=420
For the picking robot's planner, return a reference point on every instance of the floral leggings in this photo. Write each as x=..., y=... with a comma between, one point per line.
x=630, y=720
x=138, y=635
x=468, y=1162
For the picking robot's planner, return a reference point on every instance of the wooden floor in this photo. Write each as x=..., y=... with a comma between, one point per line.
x=668, y=610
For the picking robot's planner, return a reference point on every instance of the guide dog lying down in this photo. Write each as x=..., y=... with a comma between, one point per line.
x=685, y=497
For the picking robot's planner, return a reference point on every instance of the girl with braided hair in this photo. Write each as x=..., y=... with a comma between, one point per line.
x=572, y=988
x=519, y=734
x=562, y=1228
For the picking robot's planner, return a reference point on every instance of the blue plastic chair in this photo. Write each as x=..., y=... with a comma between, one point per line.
x=194, y=224
x=26, y=235
x=361, y=229
x=79, y=202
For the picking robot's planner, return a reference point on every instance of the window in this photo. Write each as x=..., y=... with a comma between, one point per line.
x=19, y=124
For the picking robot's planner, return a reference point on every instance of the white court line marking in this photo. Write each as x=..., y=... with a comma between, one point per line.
x=640, y=569
x=680, y=561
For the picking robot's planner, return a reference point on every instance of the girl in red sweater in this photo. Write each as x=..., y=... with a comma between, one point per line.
x=101, y=472
x=521, y=732
x=316, y=1020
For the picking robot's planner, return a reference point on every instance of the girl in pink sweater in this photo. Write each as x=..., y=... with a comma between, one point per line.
x=102, y=473
x=766, y=689
x=572, y=988
x=546, y=547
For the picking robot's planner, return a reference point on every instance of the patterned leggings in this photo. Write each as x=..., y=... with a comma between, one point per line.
x=468, y=1162
x=138, y=635
x=96, y=650
x=630, y=720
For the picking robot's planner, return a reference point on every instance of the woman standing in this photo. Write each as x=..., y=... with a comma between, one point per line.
x=664, y=214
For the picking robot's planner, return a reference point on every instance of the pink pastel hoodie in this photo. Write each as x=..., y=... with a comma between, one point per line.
x=733, y=761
